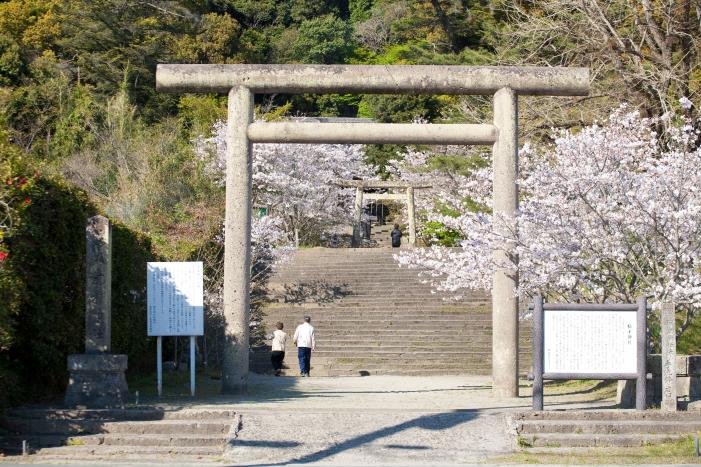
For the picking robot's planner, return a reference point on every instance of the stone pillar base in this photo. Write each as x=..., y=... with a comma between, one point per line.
x=96, y=381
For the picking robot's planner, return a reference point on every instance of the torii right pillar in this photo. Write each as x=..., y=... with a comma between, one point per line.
x=505, y=281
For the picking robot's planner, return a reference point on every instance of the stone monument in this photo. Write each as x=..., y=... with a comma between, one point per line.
x=669, y=357
x=97, y=377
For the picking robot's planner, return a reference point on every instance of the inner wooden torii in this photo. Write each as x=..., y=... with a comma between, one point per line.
x=360, y=195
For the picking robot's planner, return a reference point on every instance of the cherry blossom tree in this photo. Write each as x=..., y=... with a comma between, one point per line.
x=609, y=213
x=296, y=182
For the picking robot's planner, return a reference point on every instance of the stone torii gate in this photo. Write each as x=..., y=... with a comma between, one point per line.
x=408, y=196
x=241, y=82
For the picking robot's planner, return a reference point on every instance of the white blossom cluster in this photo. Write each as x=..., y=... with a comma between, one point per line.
x=611, y=212
x=295, y=182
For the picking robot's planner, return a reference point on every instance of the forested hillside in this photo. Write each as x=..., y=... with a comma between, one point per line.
x=83, y=130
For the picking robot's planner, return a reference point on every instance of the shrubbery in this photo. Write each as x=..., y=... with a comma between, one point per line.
x=42, y=292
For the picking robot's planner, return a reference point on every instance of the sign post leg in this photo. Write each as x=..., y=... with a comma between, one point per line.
x=192, y=366
x=159, y=364
x=538, y=353
x=641, y=382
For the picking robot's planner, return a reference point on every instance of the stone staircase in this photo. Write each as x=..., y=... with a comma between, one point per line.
x=380, y=234
x=573, y=429
x=134, y=434
x=372, y=317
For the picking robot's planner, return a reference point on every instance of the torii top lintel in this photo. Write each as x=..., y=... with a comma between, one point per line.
x=380, y=184
x=377, y=79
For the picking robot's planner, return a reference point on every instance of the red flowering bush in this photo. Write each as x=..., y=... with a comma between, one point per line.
x=15, y=195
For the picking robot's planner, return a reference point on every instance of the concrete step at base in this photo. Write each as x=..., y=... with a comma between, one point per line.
x=143, y=452
x=41, y=441
x=604, y=415
x=216, y=441
x=132, y=414
x=608, y=427
x=597, y=440
x=73, y=427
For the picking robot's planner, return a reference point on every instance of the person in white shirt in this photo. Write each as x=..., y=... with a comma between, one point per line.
x=278, y=348
x=304, y=338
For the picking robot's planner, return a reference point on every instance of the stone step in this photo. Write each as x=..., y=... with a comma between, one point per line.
x=131, y=414
x=385, y=370
x=109, y=439
x=378, y=317
x=160, y=453
x=382, y=304
x=597, y=440
x=379, y=335
x=406, y=372
x=425, y=346
x=608, y=427
x=322, y=322
x=72, y=427
x=377, y=279
x=601, y=415
x=420, y=310
x=330, y=312
x=360, y=363
x=439, y=355
x=371, y=298
x=389, y=327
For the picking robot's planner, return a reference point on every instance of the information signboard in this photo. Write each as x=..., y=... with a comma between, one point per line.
x=589, y=341
x=175, y=298
x=602, y=342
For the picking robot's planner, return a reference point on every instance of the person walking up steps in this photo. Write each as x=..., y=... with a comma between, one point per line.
x=304, y=338
x=396, y=236
x=278, y=348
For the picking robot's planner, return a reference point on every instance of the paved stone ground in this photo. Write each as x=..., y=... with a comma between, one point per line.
x=375, y=420
x=378, y=420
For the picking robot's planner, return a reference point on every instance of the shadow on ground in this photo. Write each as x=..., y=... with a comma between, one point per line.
x=436, y=422
x=318, y=291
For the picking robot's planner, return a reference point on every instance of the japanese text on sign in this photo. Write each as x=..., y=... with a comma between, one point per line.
x=175, y=299
x=589, y=341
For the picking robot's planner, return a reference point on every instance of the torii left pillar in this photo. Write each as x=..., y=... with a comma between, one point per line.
x=237, y=241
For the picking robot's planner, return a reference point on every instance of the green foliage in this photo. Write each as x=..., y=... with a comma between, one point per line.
x=379, y=155
x=216, y=41
x=42, y=287
x=334, y=105
x=198, y=113
x=689, y=343
x=441, y=235
x=359, y=10
x=325, y=39
x=11, y=63
x=402, y=108
x=131, y=252
x=46, y=262
x=107, y=38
